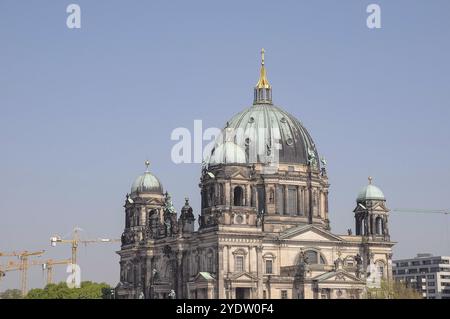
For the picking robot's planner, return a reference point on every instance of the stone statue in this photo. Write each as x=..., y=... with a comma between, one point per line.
x=168, y=205
x=358, y=260
x=338, y=263
x=260, y=218
x=312, y=157
x=302, y=266
x=170, y=216
x=172, y=294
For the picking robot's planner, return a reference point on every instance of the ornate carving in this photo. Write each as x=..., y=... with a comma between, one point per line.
x=302, y=265
x=167, y=251
x=170, y=217
x=128, y=237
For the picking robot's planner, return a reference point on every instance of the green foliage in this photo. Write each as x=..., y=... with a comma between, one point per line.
x=11, y=294
x=393, y=290
x=88, y=290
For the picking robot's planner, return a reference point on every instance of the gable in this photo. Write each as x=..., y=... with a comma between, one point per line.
x=308, y=233
x=243, y=276
x=203, y=276
x=338, y=276
x=238, y=175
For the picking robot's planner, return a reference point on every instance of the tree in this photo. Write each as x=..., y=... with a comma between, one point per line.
x=88, y=290
x=11, y=294
x=393, y=290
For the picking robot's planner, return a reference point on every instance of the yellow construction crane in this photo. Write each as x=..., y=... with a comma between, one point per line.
x=22, y=266
x=48, y=265
x=10, y=266
x=74, y=242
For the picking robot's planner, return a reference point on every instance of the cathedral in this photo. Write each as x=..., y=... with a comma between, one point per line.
x=263, y=230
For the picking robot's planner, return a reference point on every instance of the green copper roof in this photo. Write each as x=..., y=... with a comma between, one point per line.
x=370, y=192
x=147, y=183
x=260, y=123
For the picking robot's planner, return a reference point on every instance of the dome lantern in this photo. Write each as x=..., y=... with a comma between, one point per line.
x=263, y=90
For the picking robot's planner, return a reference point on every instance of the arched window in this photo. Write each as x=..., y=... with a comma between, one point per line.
x=380, y=268
x=361, y=226
x=315, y=258
x=280, y=200
x=210, y=261
x=292, y=201
x=127, y=219
x=212, y=200
x=204, y=198
x=221, y=197
x=238, y=196
x=252, y=196
x=379, y=225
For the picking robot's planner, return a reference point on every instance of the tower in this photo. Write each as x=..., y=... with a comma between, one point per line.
x=371, y=213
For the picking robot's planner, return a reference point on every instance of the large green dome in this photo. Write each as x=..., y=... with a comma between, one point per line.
x=261, y=122
x=267, y=133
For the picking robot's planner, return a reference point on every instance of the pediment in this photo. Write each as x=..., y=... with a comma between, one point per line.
x=338, y=275
x=243, y=276
x=360, y=208
x=308, y=233
x=238, y=175
x=378, y=206
x=203, y=276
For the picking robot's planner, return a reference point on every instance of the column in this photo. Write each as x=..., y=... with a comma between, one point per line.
x=286, y=200
x=259, y=271
x=180, y=277
x=220, y=274
x=299, y=201
x=227, y=193
x=249, y=259
x=228, y=259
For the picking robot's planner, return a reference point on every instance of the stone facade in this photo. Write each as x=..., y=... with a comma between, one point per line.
x=261, y=233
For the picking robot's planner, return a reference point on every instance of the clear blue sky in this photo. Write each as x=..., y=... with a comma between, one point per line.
x=82, y=109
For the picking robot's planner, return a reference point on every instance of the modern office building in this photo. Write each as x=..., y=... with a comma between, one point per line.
x=427, y=273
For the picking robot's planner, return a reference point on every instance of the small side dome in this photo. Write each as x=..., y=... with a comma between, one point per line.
x=370, y=192
x=228, y=153
x=147, y=183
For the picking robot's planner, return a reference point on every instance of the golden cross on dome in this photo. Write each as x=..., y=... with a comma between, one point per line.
x=263, y=82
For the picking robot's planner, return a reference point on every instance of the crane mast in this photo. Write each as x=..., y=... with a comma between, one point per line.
x=22, y=266
x=74, y=242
